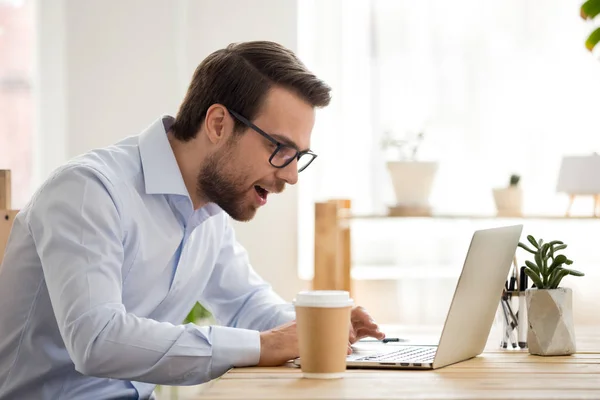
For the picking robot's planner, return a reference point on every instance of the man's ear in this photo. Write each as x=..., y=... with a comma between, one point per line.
x=217, y=123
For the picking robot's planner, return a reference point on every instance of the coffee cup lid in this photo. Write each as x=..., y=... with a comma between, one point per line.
x=323, y=298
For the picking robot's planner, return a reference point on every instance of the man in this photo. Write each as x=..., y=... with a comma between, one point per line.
x=114, y=249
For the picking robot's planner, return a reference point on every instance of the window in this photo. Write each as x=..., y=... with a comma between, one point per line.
x=16, y=96
x=497, y=88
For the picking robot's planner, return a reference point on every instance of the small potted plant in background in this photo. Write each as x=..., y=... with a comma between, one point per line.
x=509, y=200
x=411, y=179
x=549, y=306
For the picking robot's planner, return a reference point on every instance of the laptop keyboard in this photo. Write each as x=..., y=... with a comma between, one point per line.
x=406, y=354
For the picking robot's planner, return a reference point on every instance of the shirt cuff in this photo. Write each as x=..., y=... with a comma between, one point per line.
x=233, y=347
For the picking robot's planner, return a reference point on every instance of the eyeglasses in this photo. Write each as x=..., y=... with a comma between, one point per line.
x=283, y=154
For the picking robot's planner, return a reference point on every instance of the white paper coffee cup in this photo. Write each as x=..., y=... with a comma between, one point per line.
x=323, y=323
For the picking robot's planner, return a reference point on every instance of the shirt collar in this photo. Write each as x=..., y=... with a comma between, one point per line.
x=161, y=172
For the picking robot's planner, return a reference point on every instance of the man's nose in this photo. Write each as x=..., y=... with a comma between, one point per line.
x=289, y=173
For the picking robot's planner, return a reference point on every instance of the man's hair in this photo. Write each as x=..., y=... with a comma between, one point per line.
x=239, y=77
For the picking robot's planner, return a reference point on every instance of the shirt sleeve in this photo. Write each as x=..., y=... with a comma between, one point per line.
x=238, y=296
x=75, y=222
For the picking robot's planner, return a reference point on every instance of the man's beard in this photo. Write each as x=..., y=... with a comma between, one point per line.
x=227, y=191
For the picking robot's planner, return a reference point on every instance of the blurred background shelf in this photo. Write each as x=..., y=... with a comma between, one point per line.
x=470, y=216
x=367, y=247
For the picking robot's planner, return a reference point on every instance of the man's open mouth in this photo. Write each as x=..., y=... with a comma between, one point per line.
x=262, y=192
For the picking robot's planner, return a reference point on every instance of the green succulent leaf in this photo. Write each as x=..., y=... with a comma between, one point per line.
x=545, y=249
x=532, y=241
x=559, y=248
x=558, y=261
x=590, y=9
x=539, y=263
x=573, y=272
x=524, y=247
x=534, y=278
x=593, y=39
x=533, y=267
x=555, y=281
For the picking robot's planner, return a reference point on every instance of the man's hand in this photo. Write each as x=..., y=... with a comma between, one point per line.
x=278, y=345
x=362, y=325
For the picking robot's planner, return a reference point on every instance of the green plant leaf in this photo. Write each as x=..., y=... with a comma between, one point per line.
x=593, y=39
x=524, y=247
x=555, y=281
x=558, y=261
x=540, y=243
x=532, y=241
x=545, y=248
x=559, y=248
x=533, y=267
x=573, y=272
x=590, y=9
x=569, y=262
x=534, y=278
x=540, y=263
x=555, y=246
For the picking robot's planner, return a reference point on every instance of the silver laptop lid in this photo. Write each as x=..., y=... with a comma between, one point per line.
x=477, y=294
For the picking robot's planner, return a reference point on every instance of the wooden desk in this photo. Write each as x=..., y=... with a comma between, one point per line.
x=496, y=374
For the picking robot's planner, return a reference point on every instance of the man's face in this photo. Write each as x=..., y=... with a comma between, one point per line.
x=238, y=176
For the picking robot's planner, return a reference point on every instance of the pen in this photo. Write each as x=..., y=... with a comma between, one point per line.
x=522, y=314
x=510, y=316
x=505, y=338
x=513, y=304
x=385, y=340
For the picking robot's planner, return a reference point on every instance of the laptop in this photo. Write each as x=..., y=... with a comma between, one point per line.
x=471, y=313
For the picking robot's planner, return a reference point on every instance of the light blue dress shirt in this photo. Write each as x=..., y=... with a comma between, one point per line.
x=101, y=268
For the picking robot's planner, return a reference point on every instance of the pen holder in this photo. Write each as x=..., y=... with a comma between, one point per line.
x=513, y=320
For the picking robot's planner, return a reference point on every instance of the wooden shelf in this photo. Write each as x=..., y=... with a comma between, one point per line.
x=333, y=269
x=471, y=216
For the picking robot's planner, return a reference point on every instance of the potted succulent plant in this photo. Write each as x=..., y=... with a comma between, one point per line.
x=549, y=306
x=412, y=179
x=509, y=200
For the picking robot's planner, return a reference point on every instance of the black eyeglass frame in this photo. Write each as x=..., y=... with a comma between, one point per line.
x=277, y=143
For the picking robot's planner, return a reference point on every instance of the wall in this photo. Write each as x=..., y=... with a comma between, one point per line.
x=107, y=72
x=271, y=238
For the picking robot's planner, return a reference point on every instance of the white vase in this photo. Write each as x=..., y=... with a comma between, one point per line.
x=412, y=182
x=550, y=315
x=509, y=201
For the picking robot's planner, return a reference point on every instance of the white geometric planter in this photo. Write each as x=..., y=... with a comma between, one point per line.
x=550, y=314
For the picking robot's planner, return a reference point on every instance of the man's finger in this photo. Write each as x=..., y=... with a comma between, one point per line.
x=375, y=333
x=352, y=337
